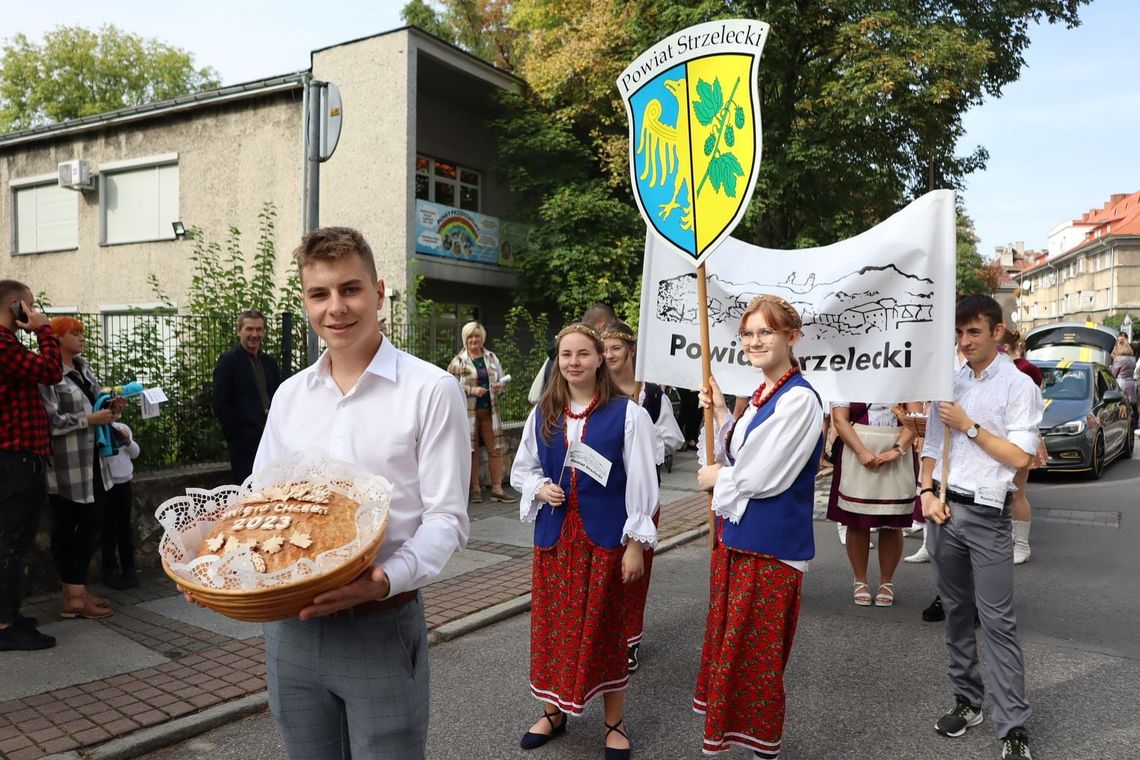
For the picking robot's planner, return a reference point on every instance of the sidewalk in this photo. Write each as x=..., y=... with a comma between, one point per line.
x=160, y=669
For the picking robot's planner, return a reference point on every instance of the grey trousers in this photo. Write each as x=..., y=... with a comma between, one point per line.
x=973, y=555
x=351, y=687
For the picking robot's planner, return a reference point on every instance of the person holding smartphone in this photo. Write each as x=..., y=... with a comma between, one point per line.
x=25, y=444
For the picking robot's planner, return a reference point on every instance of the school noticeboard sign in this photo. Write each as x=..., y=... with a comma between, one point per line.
x=458, y=234
x=694, y=132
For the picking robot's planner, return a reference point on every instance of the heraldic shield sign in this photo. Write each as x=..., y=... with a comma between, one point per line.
x=694, y=132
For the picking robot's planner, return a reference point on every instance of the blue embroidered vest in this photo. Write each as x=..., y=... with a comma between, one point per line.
x=602, y=509
x=779, y=525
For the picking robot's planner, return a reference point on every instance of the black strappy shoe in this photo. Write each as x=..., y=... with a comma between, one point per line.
x=531, y=740
x=616, y=754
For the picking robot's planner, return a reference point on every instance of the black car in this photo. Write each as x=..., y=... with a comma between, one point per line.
x=1087, y=422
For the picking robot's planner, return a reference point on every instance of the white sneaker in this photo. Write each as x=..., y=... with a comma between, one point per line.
x=919, y=556
x=914, y=530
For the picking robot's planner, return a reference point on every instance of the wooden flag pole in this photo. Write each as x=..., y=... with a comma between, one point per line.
x=706, y=374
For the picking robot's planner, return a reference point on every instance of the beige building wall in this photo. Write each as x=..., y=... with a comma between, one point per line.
x=368, y=182
x=1089, y=286
x=232, y=158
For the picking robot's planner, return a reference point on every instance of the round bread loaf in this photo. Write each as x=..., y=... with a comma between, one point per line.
x=283, y=524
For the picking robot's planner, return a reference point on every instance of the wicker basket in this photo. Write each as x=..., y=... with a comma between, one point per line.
x=910, y=420
x=228, y=584
x=279, y=602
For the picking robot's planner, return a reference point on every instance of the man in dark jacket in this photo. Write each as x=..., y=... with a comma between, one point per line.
x=245, y=379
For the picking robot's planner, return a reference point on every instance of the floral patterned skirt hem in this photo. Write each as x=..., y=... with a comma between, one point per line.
x=576, y=650
x=638, y=592
x=753, y=610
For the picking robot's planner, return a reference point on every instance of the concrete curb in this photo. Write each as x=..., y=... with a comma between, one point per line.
x=165, y=734
x=180, y=729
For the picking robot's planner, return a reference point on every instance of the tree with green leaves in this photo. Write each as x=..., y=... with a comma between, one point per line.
x=974, y=274
x=480, y=27
x=77, y=72
x=862, y=108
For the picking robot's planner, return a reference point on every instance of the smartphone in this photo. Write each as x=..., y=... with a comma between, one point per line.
x=18, y=310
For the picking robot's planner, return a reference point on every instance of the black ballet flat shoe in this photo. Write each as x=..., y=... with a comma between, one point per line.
x=616, y=754
x=531, y=740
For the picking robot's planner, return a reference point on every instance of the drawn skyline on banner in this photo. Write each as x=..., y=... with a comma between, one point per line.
x=852, y=306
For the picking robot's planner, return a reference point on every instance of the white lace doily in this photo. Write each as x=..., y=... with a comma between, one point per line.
x=187, y=520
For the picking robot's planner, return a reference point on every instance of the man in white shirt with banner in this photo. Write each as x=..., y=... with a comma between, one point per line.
x=349, y=678
x=993, y=427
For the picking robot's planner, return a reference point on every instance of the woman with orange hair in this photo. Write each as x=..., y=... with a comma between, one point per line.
x=763, y=487
x=78, y=478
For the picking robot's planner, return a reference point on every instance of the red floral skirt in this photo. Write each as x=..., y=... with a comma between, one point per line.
x=754, y=603
x=638, y=591
x=578, y=602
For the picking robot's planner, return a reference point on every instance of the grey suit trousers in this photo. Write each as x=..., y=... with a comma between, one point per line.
x=973, y=555
x=354, y=687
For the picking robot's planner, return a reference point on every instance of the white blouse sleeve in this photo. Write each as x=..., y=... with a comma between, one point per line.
x=793, y=431
x=669, y=436
x=526, y=472
x=641, y=490
x=720, y=455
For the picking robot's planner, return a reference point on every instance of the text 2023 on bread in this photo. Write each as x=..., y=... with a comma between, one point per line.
x=284, y=523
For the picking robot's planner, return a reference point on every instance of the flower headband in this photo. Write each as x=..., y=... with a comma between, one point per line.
x=578, y=327
x=619, y=335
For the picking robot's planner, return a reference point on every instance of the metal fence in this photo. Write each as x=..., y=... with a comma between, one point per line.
x=178, y=354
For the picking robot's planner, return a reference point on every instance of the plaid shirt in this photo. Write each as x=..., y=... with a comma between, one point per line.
x=71, y=469
x=23, y=425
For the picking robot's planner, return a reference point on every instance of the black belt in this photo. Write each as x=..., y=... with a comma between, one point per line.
x=961, y=497
x=375, y=605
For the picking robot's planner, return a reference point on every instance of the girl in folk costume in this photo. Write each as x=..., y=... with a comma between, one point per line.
x=763, y=489
x=621, y=352
x=873, y=486
x=592, y=526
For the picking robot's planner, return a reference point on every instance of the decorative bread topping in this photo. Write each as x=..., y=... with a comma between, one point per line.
x=281, y=524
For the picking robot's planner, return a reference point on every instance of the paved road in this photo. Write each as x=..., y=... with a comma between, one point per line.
x=863, y=682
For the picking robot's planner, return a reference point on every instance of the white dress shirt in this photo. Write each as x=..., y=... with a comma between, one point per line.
x=771, y=459
x=405, y=420
x=641, y=491
x=667, y=436
x=1007, y=404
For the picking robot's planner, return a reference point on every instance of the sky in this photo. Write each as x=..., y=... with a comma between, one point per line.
x=1061, y=139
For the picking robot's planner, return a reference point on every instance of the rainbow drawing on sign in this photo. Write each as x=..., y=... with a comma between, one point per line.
x=457, y=235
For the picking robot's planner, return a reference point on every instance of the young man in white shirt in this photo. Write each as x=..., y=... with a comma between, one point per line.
x=349, y=678
x=993, y=427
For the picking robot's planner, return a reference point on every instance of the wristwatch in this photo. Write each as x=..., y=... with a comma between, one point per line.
x=972, y=431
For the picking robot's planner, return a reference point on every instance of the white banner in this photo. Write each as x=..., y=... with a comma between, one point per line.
x=878, y=309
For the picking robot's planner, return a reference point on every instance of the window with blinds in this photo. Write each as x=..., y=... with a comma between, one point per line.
x=47, y=218
x=140, y=204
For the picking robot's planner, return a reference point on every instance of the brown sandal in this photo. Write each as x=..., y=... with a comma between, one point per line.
x=85, y=608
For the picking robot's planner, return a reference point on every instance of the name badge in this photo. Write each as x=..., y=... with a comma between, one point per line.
x=991, y=495
x=585, y=459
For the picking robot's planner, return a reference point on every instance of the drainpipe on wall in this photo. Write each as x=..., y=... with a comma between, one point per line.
x=305, y=77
